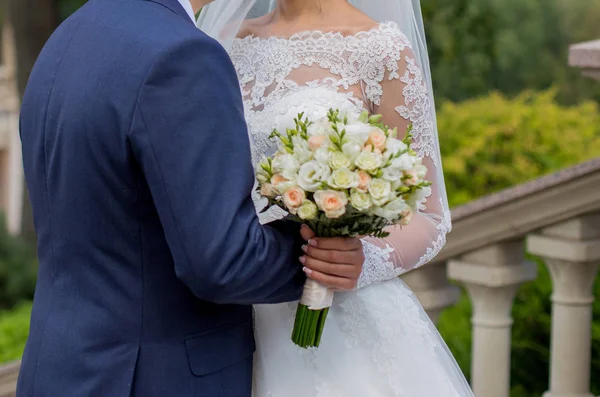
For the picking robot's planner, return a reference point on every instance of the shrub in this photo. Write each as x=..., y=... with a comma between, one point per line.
x=493, y=142
x=14, y=328
x=18, y=269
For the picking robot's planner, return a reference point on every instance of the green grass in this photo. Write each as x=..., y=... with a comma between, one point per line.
x=14, y=328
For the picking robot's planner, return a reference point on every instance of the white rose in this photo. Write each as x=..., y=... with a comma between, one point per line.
x=380, y=190
x=321, y=128
x=331, y=202
x=358, y=132
x=360, y=200
x=343, y=178
x=392, y=210
x=312, y=174
x=285, y=162
x=391, y=174
x=351, y=149
x=308, y=210
x=339, y=160
x=368, y=161
x=302, y=151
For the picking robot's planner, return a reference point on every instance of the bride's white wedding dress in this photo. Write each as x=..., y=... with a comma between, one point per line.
x=378, y=341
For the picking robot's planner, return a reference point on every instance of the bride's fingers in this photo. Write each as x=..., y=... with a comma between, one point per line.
x=332, y=269
x=333, y=282
x=336, y=243
x=354, y=258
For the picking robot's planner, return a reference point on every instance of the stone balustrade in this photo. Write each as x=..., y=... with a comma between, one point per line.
x=556, y=218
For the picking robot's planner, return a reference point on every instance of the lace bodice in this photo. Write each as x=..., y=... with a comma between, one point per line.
x=375, y=70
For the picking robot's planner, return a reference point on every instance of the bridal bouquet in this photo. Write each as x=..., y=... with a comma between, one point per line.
x=342, y=176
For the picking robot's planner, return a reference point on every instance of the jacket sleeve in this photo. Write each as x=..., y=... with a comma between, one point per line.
x=190, y=139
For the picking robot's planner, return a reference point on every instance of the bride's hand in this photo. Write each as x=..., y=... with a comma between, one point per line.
x=333, y=262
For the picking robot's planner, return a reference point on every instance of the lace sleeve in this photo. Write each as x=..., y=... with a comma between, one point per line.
x=406, y=98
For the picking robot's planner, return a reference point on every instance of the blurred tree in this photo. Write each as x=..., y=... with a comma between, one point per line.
x=477, y=46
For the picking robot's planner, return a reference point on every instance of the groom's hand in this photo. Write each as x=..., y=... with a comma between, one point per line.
x=334, y=262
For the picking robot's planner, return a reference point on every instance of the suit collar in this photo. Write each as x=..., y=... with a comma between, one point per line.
x=176, y=7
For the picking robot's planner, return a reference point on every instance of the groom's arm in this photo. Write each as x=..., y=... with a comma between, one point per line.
x=189, y=135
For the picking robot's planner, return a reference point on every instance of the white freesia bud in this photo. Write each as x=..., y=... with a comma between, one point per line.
x=395, y=146
x=422, y=194
x=368, y=161
x=312, y=174
x=262, y=176
x=421, y=170
x=360, y=200
x=343, y=178
x=339, y=160
x=392, y=210
x=331, y=202
x=285, y=162
x=308, y=210
x=322, y=155
x=403, y=163
x=302, y=150
x=406, y=215
x=321, y=128
x=380, y=190
x=358, y=132
x=293, y=198
x=410, y=178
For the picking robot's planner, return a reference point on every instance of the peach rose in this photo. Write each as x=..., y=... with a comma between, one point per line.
x=277, y=179
x=331, y=202
x=411, y=178
x=293, y=198
x=364, y=180
x=378, y=139
x=315, y=142
x=268, y=190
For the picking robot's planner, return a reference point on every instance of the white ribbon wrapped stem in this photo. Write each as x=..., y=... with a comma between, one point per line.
x=315, y=296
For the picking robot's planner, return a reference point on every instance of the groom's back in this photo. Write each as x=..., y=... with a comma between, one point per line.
x=110, y=317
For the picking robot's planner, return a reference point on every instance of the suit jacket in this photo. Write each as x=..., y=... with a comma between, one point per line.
x=137, y=162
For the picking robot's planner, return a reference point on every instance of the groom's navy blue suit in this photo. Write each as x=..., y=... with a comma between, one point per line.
x=138, y=168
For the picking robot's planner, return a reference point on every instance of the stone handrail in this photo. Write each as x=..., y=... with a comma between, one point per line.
x=557, y=218
x=8, y=379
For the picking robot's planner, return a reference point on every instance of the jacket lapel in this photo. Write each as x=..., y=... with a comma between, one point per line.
x=176, y=7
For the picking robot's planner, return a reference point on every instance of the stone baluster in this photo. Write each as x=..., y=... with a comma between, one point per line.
x=571, y=250
x=492, y=275
x=430, y=285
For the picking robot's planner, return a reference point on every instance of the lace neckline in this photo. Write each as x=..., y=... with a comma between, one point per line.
x=318, y=34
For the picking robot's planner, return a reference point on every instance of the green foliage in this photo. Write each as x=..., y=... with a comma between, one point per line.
x=18, y=269
x=14, y=328
x=508, y=45
x=67, y=7
x=492, y=143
